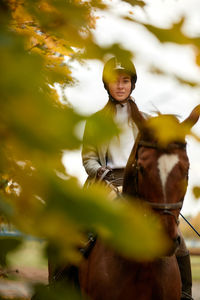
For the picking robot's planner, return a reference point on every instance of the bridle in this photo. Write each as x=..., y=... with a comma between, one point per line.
x=166, y=208
x=163, y=208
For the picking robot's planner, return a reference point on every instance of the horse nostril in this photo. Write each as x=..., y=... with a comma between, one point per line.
x=178, y=239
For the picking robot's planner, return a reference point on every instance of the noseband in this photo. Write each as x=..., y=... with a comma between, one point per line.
x=164, y=208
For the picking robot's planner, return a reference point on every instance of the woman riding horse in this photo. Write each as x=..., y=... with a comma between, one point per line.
x=107, y=162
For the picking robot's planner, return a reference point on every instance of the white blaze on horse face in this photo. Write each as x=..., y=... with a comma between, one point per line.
x=166, y=163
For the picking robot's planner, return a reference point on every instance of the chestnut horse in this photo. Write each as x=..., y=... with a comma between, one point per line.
x=157, y=175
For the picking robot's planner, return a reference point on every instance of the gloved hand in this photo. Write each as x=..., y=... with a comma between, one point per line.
x=102, y=170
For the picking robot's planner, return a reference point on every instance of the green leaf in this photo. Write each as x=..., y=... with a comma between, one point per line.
x=95, y=132
x=7, y=245
x=117, y=222
x=6, y=209
x=174, y=34
x=59, y=292
x=94, y=51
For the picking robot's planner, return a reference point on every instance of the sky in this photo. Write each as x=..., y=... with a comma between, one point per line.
x=152, y=92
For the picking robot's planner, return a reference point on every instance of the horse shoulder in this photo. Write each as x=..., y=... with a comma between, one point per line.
x=167, y=284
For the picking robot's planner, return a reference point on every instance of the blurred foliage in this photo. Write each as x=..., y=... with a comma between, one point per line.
x=196, y=191
x=7, y=245
x=36, y=194
x=174, y=34
x=136, y=2
x=59, y=292
x=167, y=128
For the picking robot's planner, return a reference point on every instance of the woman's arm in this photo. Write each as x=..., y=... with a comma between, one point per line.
x=90, y=154
x=90, y=160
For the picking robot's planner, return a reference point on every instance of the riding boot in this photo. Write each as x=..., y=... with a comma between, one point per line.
x=59, y=279
x=186, y=276
x=61, y=273
x=67, y=274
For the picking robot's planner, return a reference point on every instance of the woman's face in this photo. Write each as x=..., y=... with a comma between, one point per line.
x=120, y=89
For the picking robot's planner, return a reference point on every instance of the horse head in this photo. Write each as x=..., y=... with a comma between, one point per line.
x=160, y=172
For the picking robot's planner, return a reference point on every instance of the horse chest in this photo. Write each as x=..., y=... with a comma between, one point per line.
x=106, y=276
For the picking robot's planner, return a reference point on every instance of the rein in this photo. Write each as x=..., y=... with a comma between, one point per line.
x=184, y=218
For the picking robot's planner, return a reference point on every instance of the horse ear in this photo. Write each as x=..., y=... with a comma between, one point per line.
x=137, y=116
x=193, y=117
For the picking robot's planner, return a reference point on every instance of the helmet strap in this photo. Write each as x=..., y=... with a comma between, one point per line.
x=114, y=101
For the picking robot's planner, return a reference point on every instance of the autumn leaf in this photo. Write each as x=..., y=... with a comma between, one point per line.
x=166, y=129
x=136, y=3
x=174, y=34
x=196, y=191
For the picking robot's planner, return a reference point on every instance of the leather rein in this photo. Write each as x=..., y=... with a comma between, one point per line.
x=164, y=208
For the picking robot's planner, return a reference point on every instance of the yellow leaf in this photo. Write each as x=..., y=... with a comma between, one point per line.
x=166, y=129
x=196, y=191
